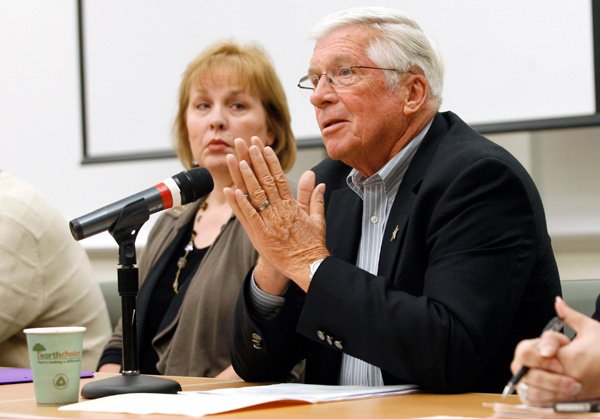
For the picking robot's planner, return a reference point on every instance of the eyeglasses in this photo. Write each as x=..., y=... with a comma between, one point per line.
x=339, y=76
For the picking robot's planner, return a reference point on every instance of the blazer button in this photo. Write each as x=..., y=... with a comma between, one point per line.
x=338, y=344
x=256, y=340
x=329, y=340
x=321, y=335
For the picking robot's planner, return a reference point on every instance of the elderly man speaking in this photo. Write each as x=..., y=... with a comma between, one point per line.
x=416, y=253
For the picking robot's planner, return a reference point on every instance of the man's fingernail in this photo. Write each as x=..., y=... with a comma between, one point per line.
x=545, y=350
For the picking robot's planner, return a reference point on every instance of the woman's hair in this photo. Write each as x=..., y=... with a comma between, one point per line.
x=398, y=43
x=250, y=67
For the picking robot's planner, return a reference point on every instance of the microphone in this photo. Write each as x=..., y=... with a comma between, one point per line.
x=182, y=188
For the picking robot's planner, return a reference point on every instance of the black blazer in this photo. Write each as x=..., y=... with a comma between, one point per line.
x=468, y=274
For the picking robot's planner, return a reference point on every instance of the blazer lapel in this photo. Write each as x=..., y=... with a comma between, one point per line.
x=343, y=219
x=406, y=195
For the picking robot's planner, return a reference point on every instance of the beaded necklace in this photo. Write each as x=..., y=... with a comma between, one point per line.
x=182, y=261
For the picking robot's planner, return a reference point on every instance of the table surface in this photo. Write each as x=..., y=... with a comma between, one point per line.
x=18, y=401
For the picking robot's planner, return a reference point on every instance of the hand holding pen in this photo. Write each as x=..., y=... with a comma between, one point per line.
x=556, y=324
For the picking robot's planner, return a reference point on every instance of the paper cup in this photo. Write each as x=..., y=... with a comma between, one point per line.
x=55, y=357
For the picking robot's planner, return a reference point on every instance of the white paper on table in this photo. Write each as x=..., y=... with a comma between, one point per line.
x=167, y=404
x=201, y=403
x=311, y=393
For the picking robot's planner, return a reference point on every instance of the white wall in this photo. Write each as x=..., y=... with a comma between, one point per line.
x=40, y=137
x=40, y=128
x=130, y=44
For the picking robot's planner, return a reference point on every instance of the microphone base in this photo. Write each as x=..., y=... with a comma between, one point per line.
x=124, y=384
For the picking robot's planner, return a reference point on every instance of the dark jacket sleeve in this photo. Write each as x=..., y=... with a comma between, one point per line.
x=266, y=351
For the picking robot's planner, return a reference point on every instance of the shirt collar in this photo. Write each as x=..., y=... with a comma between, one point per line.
x=392, y=173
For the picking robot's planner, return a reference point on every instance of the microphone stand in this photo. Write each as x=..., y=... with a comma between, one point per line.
x=125, y=230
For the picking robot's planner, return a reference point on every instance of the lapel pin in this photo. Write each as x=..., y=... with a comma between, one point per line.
x=395, y=233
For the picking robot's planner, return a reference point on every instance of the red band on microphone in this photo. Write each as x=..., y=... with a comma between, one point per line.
x=165, y=194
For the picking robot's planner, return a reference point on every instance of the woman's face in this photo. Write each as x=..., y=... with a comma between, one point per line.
x=217, y=114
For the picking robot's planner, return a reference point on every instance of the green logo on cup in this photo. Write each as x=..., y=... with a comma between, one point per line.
x=38, y=347
x=55, y=357
x=60, y=381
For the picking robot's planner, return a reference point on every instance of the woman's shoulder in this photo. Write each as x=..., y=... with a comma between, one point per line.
x=177, y=216
x=166, y=226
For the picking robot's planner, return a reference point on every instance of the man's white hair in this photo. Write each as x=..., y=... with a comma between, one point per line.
x=399, y=43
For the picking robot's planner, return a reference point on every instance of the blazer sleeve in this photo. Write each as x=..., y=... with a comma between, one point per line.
x=267, y=350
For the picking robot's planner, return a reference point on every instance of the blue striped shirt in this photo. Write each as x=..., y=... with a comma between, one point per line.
x=377, y=193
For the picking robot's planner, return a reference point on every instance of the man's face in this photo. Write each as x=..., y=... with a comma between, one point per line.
x=360, y=123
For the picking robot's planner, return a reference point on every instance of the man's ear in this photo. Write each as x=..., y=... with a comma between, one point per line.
x=418, y=93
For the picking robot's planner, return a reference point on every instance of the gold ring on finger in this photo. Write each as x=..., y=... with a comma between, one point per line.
x=263, y=206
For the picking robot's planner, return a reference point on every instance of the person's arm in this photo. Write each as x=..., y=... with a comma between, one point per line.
x=21, y=279
x=561, y=369
x=263, y=305
x=264, y=344
x=268, y=279
x=110, y=368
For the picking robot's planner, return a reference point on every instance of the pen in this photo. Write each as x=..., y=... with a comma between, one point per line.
x=555, y=324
